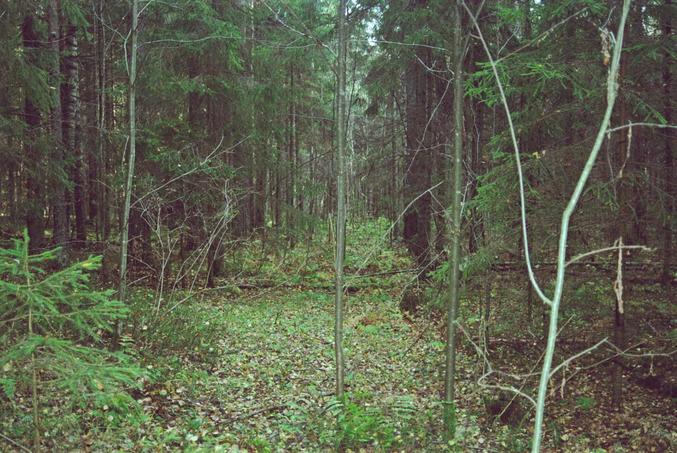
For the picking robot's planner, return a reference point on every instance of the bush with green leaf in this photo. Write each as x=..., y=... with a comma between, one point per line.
x=51, y=342
x=358, y=426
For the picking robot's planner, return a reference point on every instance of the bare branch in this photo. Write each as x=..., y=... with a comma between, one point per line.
x=577, y=355
x=630, y=125
x=513, y=136
x=13, y=442
x=204, y=162
x=542, y=36
x=608, y=249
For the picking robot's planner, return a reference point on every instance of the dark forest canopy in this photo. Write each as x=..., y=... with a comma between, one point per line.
x=426, y=155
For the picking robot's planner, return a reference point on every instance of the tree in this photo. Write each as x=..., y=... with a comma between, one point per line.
x=58, y=193
x=70, y=103
x=53, y=310
x=417, y=178
x=455, y=182
x=340, y=193
x=554, y=301
x=669, y=185
x=612, y=91
x=124, y=236
x=34, y=188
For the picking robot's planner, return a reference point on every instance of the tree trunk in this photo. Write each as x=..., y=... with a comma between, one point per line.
x=417, y=175
x=71, y=127
x=669, y=170
x=291, y=164
x=398, y=174
x=102, y=185
x=12, y=192
x=89, y=103
x=619, y=338
x=215, y=260
x=277, y=199
x=454, y=179
x=59, y=195
x=340, y=195
x=124, y=241
x=34, y=207
x=622, y=228
x=639, y=189
x=476, y=230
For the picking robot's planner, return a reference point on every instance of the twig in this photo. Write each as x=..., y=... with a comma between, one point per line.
x=15, y=443
x=194, y=169
x=577, y=355
x=394, y=223
x=622, y=352
x=520, y=176
x=542, y=36
x=418, y=338
x=490, y=371
x=656, y=125
x=608, y=249
x=188, y=41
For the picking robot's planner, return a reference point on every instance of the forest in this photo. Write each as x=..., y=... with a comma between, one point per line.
x=338, y=225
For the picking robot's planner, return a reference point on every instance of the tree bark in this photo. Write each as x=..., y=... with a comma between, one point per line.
x=417, y=174
x=669, y=185
x=623, y=227
x=11, y=192
x=34, y=207
x=124, y=241
x=71, y=127
x=59, y=195
x=340, y=195
x=291, y=162
x=454, y=179
x=554, y=302
x=103, y=192
x=89, y=116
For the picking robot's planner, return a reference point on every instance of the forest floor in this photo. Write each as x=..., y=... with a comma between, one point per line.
x=262, y=379
x=250, y=367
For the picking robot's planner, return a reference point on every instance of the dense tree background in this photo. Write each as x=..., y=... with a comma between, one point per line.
x=243, y=94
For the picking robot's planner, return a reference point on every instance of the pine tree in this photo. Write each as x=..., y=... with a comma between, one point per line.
x=52, y=328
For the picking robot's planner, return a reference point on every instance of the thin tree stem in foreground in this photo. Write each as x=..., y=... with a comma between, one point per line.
x=124, y=241
x=340, y=196
x=455, y=176
x=554, y=302
x=612, y=91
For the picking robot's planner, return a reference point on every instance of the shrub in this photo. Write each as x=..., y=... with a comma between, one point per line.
x=358, y=426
